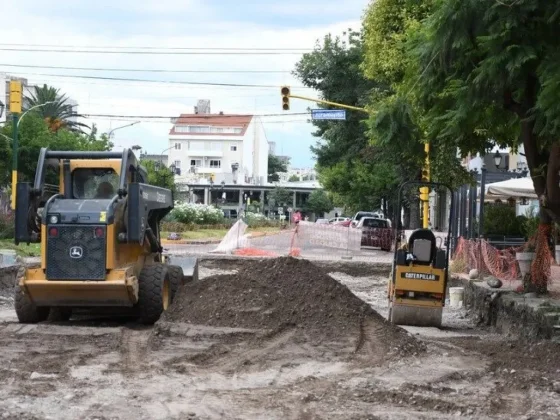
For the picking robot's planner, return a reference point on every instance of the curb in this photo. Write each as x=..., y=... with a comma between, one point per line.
x=509, y=312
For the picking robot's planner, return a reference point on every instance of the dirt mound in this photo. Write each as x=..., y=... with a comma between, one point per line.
x=275, y=293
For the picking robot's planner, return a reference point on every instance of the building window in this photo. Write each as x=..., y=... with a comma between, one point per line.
x=177, y=146
x=199, y=129
x=177, y=163
x=233, y=148
x=181, y=129
x=237, y=130
x=219, y=130
x=214, y=145
x=215, y=163
x=196, y=162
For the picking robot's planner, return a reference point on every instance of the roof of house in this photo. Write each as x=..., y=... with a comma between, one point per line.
x=213, y=120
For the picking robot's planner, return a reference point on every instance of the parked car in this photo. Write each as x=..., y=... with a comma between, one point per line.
x=376, y=232
x=361, y=214
x=338, y=220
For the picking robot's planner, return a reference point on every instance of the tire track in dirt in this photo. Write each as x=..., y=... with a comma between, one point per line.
x=133, y=349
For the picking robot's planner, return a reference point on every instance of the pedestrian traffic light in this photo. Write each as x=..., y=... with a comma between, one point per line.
x=15, y=97
x=285, y=91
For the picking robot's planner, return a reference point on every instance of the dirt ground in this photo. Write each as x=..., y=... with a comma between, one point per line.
x=245, y=362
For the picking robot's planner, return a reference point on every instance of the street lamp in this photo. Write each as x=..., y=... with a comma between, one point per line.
x=122, y=126
x=32, y=108
x=497, y=159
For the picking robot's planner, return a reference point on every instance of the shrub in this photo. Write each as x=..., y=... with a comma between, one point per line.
x=257, y=220
x=500, y=219
x=199, y=214
x=7, y=226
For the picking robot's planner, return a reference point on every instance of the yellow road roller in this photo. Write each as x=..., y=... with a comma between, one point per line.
x=418, y=281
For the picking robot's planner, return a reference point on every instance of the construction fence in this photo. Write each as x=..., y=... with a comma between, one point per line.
x=307, y=240
x=502, y=263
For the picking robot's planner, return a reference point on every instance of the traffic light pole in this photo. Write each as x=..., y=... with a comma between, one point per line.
x=320, y=101
x=15, y=161
x=424, y=191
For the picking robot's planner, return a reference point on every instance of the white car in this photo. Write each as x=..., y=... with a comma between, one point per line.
x=337, y=220
x=322, y=221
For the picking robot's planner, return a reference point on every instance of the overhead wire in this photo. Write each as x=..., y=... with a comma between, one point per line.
x=141, y=70
x=174, y=82
x=143, y=47
x=144, y=52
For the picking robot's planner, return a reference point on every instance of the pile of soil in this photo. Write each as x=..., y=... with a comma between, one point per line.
x=275, y=293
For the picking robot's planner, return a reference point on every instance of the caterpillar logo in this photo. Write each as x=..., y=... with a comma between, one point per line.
x=420, y=276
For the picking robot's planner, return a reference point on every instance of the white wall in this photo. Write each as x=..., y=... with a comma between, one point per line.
x=246, y=164
x=261, y=151
x=3, y=96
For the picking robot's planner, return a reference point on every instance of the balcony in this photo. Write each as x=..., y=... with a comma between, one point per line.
x=200, y=153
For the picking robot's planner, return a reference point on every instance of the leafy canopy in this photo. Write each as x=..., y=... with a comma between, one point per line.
x=275, y=166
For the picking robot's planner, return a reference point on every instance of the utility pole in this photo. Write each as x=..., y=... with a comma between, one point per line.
x=15, y=109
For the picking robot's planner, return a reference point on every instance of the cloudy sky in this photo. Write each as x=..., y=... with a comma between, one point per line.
x=113, y=25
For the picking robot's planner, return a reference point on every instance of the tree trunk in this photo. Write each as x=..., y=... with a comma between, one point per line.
x=406, y=217
x=415, y=213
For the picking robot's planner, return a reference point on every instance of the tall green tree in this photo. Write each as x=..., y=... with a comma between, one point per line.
x=343, y=151
x=398, y=125
x=57, y=112
x=319, y=203
x=34, y=133
x=275, y=166
x=159, y=174
x=279, y=196
x=490, y=77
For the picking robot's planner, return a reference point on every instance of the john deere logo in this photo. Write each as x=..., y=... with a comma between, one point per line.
x=420, y=276
x=76, y=252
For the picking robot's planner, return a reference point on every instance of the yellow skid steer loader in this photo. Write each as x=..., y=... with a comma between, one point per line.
x=97, y=221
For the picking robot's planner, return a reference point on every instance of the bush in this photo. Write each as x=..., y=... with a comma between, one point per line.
x=7, y=226
x=189, y=227
x=500, y=219
x=198, y=214
x=257, y=220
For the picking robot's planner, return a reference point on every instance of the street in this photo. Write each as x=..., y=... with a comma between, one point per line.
x=103, y=368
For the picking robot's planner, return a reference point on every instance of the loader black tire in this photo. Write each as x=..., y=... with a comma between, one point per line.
x=26, y=310
x=175, y=280
x=153, y=293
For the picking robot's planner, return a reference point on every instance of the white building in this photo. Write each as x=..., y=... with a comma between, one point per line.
x=232, y=147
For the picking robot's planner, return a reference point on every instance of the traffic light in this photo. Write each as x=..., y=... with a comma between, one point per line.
x=15, y=97
x=285, y=91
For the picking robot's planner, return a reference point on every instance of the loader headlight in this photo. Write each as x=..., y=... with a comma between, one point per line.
x=53, y=220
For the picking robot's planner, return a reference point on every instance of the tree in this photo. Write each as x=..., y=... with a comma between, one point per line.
x=398, y=126
x=58, y=113
x=280, y=196
x=159, y=174
x=344, y=164
x=275, y=165
x=34, y=133
x=319, y=203
x=489, y=76
x=294, y=178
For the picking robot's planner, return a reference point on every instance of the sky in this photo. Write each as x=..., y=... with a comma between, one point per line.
x=116, y=24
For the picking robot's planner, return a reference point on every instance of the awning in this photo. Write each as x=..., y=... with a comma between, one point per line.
x=512, y=188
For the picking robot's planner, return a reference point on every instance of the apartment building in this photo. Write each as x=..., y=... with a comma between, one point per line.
x=232, y=147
